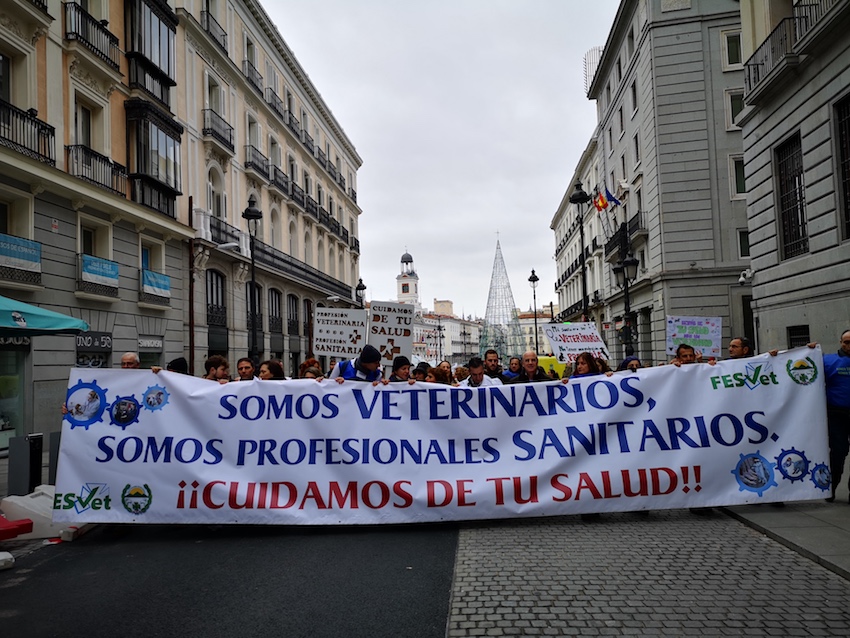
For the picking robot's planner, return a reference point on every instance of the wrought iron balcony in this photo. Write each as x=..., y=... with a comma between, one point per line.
x=97, y=276
x=778, y=45
x=312, y=207
x=20, y=260
x=636, y=226
x=352, y=194
x=82, y=27
x=148, y=77
x=292, y=326
x=335, y=227
x=297, y=194
x=216, y=127
x=274, y=101
x=96, y=169
x=275, y=324
x=322, y=158
x=256, y=161
x=324, y=218
x=253, y=75
x=809, y=14
x=293, y=123
x=223, y=233
x=39, y=4
x=355, y=244
x=154, y=288
x=252, y=318
x=214, y=29
x=308, y=141
x=279, y=181
x=216, y=315
x=288, y=265
x=344, y=235
x=341, y=181
x=23, y=132
x=333, y=172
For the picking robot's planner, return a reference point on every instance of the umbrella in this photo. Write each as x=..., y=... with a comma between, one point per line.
x=25, y=320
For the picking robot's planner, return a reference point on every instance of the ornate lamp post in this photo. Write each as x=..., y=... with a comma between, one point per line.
x=360, y=291
x=253, y=215
x=580, y=198
x=625, y=271
x=534, y=280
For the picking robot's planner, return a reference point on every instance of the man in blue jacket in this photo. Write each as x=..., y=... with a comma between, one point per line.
x=366, y=367
x=837, y=369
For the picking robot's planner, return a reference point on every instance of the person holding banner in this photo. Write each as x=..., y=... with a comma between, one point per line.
x=401, y=370
x=216, y=368
x=366, y=367
x=476, y=377
x=531, y=371
x=837, y=369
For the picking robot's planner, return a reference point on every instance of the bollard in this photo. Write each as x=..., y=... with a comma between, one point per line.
x=25, y=454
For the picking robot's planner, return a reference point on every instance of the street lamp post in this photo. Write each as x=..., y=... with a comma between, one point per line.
x=253, y=215
x=360, y=291
x=533, y=280
x=464, y=333
x=580, y=198
x=626, y=272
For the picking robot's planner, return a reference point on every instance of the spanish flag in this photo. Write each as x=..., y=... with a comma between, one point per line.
x=600, y=202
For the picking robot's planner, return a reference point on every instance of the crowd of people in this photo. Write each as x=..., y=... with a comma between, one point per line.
x=487, y=371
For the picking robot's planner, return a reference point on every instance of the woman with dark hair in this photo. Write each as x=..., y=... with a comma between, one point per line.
x=585, y=366
x=271, y=370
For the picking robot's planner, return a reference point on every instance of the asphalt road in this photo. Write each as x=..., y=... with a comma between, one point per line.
x=126, y=581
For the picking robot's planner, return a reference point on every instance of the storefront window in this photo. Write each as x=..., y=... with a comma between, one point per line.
x=11, y=395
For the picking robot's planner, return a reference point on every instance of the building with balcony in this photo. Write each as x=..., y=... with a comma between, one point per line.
x=90, y=173
x=256, y=127
x=668, y=87
x=796, y=144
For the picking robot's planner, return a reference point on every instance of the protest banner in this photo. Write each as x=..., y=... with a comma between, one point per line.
x=391, y=329
x=339, y=332
x=568, y=340
x=703, y=333
x=168, y=448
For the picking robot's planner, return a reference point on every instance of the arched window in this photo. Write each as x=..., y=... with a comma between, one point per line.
x=320, y=252
x=308, y=250
x=331, y=262
x=216, y=197
x=341, y=266
x=293, y=240
x=292, y=315
x=274, y=228
x=275, y=311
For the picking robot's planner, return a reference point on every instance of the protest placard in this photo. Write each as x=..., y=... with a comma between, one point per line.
x=339, y=332
x=568, y=340
x=391, y=329
x=703, y=333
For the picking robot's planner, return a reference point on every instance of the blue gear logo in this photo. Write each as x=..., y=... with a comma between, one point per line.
x=85, y=403
x=792, y=465
x=124, y=411
x=822, y=477
x=754, y=473
x=155, y=398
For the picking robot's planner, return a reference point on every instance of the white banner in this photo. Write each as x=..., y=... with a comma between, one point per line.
x=703, y=333
x=568, y=340
x=391, y=330
x=168, y=448
x=339, y=332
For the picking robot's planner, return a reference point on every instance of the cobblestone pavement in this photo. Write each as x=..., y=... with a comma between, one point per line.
x=672, y=573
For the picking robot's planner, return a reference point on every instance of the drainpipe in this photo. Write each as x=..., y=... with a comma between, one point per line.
x=191, y=293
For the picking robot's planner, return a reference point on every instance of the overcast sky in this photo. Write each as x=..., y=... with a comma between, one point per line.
x=470, y=117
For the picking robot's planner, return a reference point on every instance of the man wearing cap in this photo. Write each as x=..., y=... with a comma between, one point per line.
x=366, y=367
x=401, y=369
